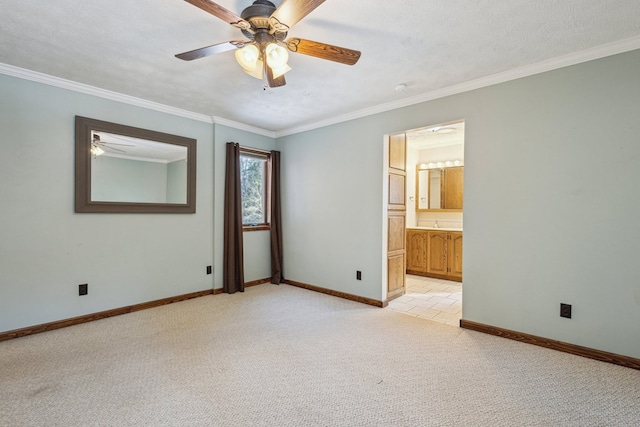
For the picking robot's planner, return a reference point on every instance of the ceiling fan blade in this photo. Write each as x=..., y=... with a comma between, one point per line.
x=209, y=50
x=291, y=12
x=109, y=148
x=115, y=143
x=273, y=81
x=119, y=138
x=98, y=141
x=323, y=51
x=220, y=12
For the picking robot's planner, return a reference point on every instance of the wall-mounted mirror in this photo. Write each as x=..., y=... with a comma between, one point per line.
x=438, y=153
x=428, y=186
x=439, y=189
x=126, y=169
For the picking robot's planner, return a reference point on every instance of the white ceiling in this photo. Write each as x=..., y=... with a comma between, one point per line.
x=128, y=147
x=128, y=47
x=442, y=135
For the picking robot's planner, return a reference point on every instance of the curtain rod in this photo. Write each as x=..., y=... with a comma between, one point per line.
x=255, y=150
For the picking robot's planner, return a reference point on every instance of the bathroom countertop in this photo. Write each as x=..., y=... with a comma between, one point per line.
x=435, y=228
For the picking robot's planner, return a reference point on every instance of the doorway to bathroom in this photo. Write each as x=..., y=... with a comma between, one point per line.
x=434, y=218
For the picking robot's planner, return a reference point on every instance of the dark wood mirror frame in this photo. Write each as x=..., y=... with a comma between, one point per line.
x=83, y=202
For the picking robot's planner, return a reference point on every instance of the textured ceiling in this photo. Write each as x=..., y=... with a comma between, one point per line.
x=127, y=147
x=129, y=46
x=436, y=136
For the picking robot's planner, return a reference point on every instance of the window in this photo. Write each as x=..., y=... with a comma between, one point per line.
x=254, y=180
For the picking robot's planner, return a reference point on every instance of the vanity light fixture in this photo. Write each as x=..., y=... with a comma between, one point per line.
x=442, y=164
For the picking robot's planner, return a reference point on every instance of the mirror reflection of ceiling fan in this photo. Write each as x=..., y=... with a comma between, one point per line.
x=265, y=53
x=99, y=147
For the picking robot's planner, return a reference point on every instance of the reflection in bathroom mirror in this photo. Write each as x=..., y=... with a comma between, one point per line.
x=429, y=188
x=423, y=189
x=440, y=188
x=438, y=153
x=435, y=185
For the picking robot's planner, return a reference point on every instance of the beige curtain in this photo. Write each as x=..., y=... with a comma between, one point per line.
x=233, y=265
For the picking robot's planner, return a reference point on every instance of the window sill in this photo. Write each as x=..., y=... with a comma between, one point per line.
x=256, y=227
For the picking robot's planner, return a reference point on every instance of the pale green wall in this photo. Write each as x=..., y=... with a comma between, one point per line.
x=46, y=249
x=127, y=180
x=177, y=182
x=332, y=201
x=541, y=227
x=257, y=249
x=552, y=164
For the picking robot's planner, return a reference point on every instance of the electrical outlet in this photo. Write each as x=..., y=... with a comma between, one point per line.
x=358, y=275
x=565, y=310
x=208, y=269
x=83, y=289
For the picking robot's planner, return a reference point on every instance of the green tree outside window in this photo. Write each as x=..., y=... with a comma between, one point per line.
x=252, y=177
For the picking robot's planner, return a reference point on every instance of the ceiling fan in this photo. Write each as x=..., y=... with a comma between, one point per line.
x=98, y=146
x=265, y=53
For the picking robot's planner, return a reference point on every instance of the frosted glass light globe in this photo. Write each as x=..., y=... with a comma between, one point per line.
x=247, y=57
x=277, y=56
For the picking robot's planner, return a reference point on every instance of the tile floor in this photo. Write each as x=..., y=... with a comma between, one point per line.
x=433, y=299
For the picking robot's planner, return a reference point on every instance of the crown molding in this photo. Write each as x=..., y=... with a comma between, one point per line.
x=597, y=52
x=243, y=126
x=35, y=76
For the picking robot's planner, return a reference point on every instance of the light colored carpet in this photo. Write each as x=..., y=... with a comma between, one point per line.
x=284, y=356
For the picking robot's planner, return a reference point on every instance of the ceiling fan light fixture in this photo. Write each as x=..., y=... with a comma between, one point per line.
x=277, y=56
x=277, y=72
x=96, y=151
x=257, y=72
x=266, y=48
x=248, y=57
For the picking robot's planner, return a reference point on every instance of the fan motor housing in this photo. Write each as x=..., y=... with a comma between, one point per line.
x=258, y=13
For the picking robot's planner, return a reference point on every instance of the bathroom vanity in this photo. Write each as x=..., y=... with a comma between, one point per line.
x=435, y=252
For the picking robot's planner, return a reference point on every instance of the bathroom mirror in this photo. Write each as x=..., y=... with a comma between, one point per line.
x=123, y=169
x=439, y=189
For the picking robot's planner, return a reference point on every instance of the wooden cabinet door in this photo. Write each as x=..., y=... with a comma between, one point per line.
x=453, y=188
x=437, y=252
x=416, y=251
x=455, y=255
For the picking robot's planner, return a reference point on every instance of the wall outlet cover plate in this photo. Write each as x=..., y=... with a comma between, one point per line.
x=565, y=310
